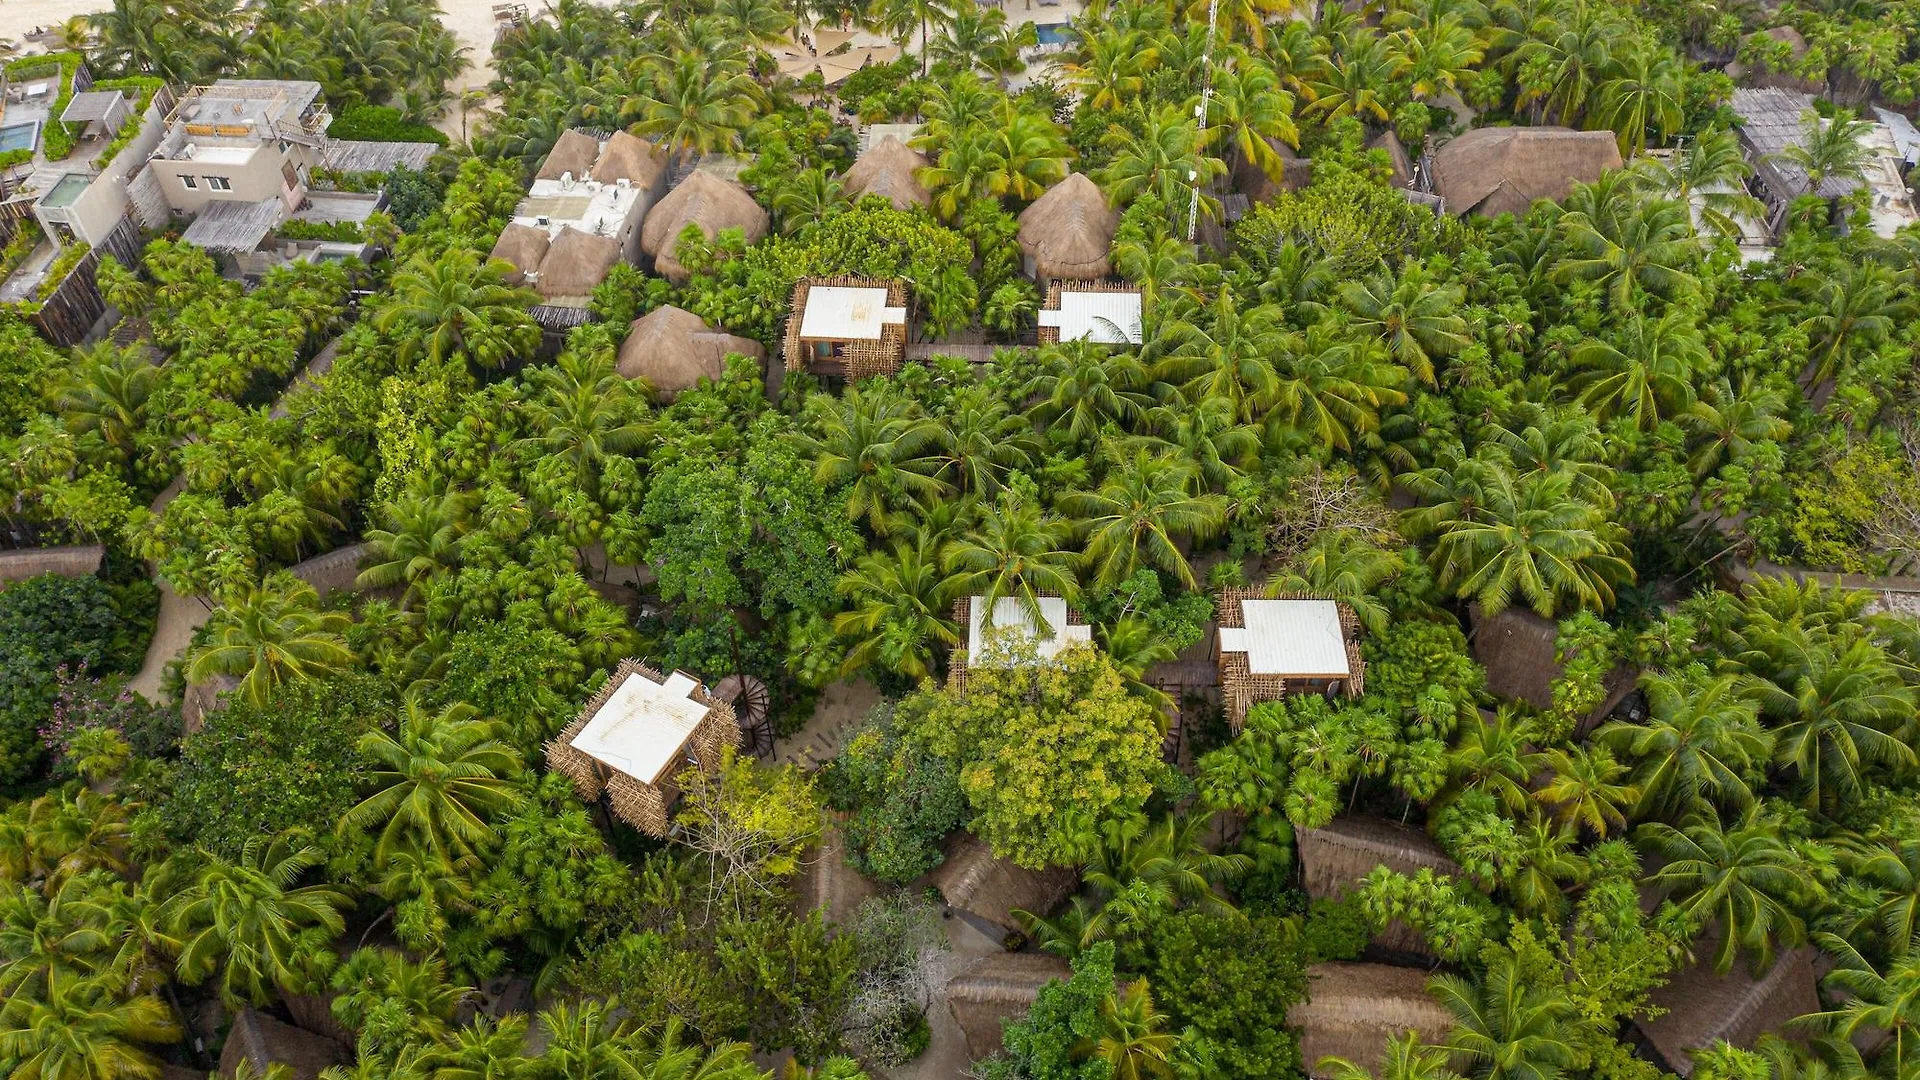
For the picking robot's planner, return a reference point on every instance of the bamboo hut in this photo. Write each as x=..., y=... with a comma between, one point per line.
x=523, y=246
x=261, y=1041
x=1104, y=312
x=847, y=326
x=890, y=170
x=632, y=159
x=674, y=349
x=1010, y=636
x=1270, y=647
x=997, y=988
x=80, y=560
x=1353, y=1009
x=1335, y=858
x=1068, y=232
x=1505, y=170
x=635, y=734
x=1703, y=1007
x=576, y=263
x=707, y=201
x=988, y=890
x=572, y=156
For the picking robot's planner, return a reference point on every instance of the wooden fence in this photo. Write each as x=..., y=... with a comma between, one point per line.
x=75, y=304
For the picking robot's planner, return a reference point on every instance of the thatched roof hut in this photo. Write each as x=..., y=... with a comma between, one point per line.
x=1068, y=232
x=829, y=884
x=1396, y=156
x=997, y=988
x=674, y=349
x=707, y=201
x=1519, y=649
x=80, y=560
x=202, y=698
x=573, y=154
x=335, y=571
x=523, y=246
x=1703, y=1007
x=1252, y=181
x=890, y=170
x=576, y=262
x=1353, y=1009
x=1762, y=73
x=1335, y=858
x=1504, y=170
x=630, y=158
x=635, y=735
x=990, y=889
x=1270, y=646
x=850, y=327
x=262, y=1041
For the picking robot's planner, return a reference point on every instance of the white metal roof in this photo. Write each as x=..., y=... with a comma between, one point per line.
x=1905, y=136
x=1110, y=318
x=848, y=313
x=641, y=729
x=1289, y=637
x=1013, y=626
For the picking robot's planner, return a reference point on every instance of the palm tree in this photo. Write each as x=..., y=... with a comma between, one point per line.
x=1643, y=92
x=1495, y=756
x=1583, y=790
x=248, y=919
x=1417, y=319
x=1745, y=879
x=1224, y=351
x=435, y=782
x=984, y=441
x=976, y=38
x=1018, y=551
x=878, y=449
x=1877, y=1002
x=902, y=17
x=1701, y=743
x=1209, y=433
x=1132, y=1040
x=1854, y=309
x=1709, y=174
x=1728, y=423
x=1342, y=567
x=107, y=391
x=1146, y=502
x=1249, y=113
x=272, y=635
x=1840, y=714
x=1088, y=387
x=900, y=613
x=1830, y=150
x=82, y=1029
x=1332, y=388
x=1167, y=157
x=1507, y=1026
x=1890, y=868
x=810, y=197
x=585, y=413
x=698, y=106
x=1573, y=47
x=1026, y=153
x=420, y=540
x=1436, y=55
x=456, y=305
x=1354, y=80
x=1109, y=68
x=1405, y=1059
x=1646, y=373
x=1537, y=540
x=1626, y=243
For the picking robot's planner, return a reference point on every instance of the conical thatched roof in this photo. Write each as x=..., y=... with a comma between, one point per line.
x=1334, y=859
x=1353, y=1009
x=1397, y=154
x=1068, y=231
x=523, y=246
x=674, y=349
x=829, y=884
x=576, y=262
x=1518, y=648
x=995, y=989
x=1504, y=170
x=991, y=889
x=1702, y=1007
x=263, y=1041
x=76, y=561
x=630, y=158
x=573, y=153
x=890, y=169
x=1252, y=181
x=707, y=201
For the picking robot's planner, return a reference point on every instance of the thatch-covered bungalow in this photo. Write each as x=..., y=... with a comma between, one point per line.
x=1105, y=312
x=1068, y=232
x=707, y=201
x=261, y=1041
x=523, y=246
x=1268, y=648
x=80, y=560
x=1011, y=633
x=847, y=326
x=1703, y=1007
x=1519, y=649
x=571, y=158
x=1504, y=170
x=1252, y=181
x=631, y=159
x=635, y=734
x=891, y=170
x=674, y=349
x=1353, y=1009
x=1397, y=157
x=576, y=262
x=1335, y=858
x=997, y=988
x=987, y=890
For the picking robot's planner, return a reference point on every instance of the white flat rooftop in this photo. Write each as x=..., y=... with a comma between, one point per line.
x=1109, y=318
x=223, y=155
x=643, y=727
x=1013, y=628
x=588, y=205
x=1289, y=637
x=848, y=313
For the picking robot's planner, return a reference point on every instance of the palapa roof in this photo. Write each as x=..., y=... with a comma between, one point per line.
x=1773, y=119
x=573, y=153
x=1252, y=181
x=995, y=989
x=263, y=1041
x=1353, y=1009
x=890, y=169
x=1504, y=170
x=630, y=158
x=1397, y=154
x=1068, y=232
x=1518, y=648
x=1703, y=1007
x=674, y=349
x=576, y=262
x=1335, y=858
x=523, y=246
x=707, y=201
x=991, y=889
x=235, y=227
x=828, y=884
x=74, y=561
x=337, y=570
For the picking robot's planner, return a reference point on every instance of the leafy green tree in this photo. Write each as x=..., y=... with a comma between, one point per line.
x=1225, y=983
x=1701, y=742
x=1040, y=1045
x=1144, y=506
x=458, y=305
x=1507, y=1027
x=904, y=801
x=82, y=1029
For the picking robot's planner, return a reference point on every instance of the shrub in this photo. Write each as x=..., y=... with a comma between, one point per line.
x=379, y=123
x=903, y=799
x=343, y=231
x=48, y=623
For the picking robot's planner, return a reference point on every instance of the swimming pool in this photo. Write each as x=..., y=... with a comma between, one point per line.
x=1053, y=33
x=22, y=136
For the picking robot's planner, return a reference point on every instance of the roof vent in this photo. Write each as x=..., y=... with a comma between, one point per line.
x=622, y=183
x=566, y=180
x=542, y=220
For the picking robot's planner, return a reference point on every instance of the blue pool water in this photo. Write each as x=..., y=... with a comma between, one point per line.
x=1053, y=33
x=19, y=136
